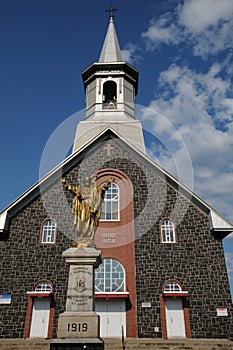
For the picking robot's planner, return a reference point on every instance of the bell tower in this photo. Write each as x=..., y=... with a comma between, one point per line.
x=110, y=86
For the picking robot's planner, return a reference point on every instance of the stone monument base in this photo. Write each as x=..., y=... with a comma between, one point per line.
x=77, y=344
x=78, y=325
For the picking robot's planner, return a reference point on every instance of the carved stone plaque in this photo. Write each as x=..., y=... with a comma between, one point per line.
x=80, y=288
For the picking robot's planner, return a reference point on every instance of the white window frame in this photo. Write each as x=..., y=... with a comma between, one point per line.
x=168, y=233
x=106, y=276
x=109, y=202
x=48, y=235
x=172, y=287
x=43, y=287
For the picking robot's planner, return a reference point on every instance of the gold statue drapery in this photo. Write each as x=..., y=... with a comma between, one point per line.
x=86, y=207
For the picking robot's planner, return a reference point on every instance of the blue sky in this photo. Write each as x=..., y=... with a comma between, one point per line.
x=184, y=52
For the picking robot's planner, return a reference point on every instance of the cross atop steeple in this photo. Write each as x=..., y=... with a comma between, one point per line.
x=111, y=50
x=111, y=10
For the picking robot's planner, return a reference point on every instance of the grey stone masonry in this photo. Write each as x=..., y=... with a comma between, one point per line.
x=80, y=321
x=196, y=260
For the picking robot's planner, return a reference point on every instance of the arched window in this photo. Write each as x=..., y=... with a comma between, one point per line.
x=43, y=287
x=109, y=94
x=172, y=287
x=110, y=277
x=110, y=210
x=48, y=234
x=168, y=231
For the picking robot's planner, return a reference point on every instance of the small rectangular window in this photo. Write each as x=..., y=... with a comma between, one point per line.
x=110, y=210
x=48, y=232
x=168, y=231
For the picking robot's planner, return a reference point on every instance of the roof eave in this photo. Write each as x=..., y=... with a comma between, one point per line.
x=221, y=233
x=220, y=227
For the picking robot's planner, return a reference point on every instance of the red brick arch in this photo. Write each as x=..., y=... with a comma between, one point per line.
x=31, y=296
x=184, y=296
x=123, y=250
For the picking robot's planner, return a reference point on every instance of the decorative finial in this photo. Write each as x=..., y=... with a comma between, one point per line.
x=111, y=10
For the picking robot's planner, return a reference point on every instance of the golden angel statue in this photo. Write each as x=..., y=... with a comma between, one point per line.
x=87, y=205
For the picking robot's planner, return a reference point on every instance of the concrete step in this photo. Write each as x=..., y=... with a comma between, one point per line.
x=24, y=344
x=130, y=344
x=159, y=344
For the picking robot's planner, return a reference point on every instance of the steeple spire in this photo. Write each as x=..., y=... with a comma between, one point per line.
x=111, y=50
x=111, y=86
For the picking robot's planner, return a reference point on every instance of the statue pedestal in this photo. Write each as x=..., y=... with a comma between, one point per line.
x=78, y=326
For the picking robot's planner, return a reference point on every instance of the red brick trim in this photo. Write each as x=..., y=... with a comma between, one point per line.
x=177, y=295
x=163, y=316
x=186, y=318
x=42, y=280
x=27, y=326
x=160, y=230
x=173, y=280
x=31, y=296
x=28, y=318
x=51, y=317
x=123, y=250
x=41, y=232
x=112, y=296
x=117, y=174
x=38, y=295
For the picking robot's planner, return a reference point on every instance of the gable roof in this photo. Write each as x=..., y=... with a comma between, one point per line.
x=220, y=226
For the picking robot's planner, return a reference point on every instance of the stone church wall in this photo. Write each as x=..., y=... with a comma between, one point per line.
x=196, y=260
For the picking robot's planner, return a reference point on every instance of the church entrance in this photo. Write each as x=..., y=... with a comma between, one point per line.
x=175, y=318
x=40, y=318
x=112, y=317
x=40, y=311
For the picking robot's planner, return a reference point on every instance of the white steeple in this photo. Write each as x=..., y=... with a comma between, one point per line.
x=111, y=86
x=111, y=50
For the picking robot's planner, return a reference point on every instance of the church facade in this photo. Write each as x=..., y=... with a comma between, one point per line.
x=163, y=272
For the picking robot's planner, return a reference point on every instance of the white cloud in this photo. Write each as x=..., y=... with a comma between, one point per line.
x=197, y=15
x=213, y=39
x=206, y=25
x=195, y=104
x=228, y=102
x=131, y=53
x=229, y=263
x=161, y=31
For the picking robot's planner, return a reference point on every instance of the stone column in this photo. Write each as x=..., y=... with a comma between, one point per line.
x=79, y=321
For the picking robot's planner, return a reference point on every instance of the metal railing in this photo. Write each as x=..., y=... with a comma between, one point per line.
x=123, y=342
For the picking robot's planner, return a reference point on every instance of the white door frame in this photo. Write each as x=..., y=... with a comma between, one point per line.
x=40, y=318
x=175, y=321
x=112, y=317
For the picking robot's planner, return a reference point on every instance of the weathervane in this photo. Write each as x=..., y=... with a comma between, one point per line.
x=111, y=10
